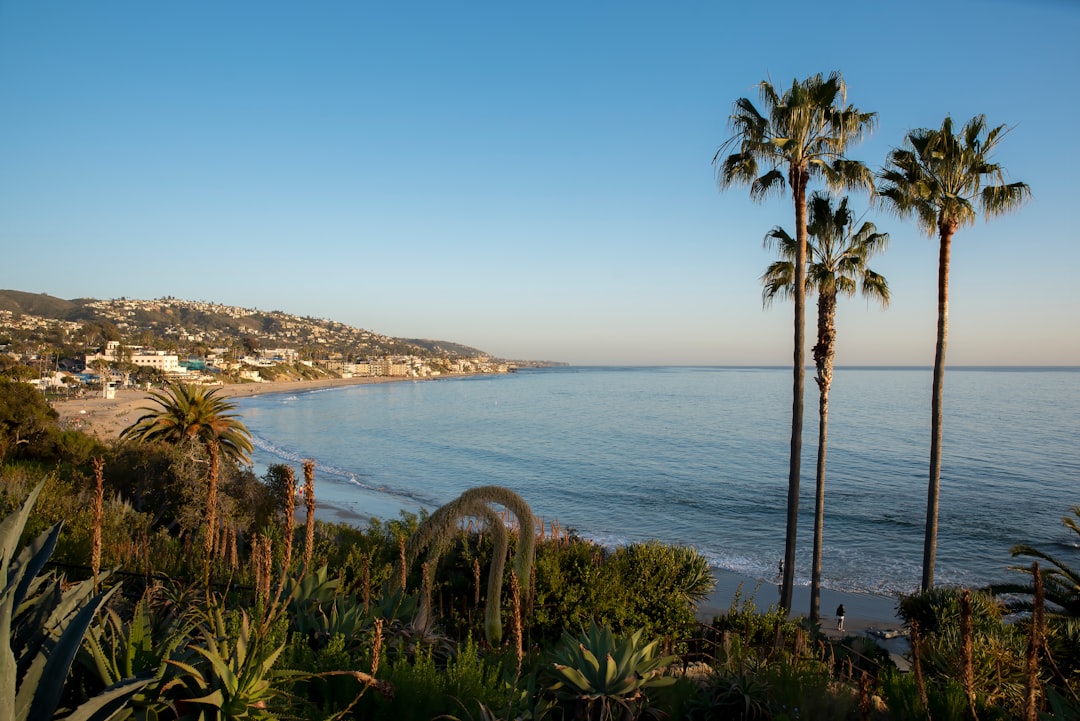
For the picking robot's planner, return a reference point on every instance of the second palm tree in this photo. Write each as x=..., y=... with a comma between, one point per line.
x=837, y=255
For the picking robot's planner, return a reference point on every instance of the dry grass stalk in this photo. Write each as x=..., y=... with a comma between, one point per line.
x=476, y=579
x=515, y=623
x=99, y=505
x=234, y=555
x=211, y=501
x=967, y=671
x=376, y=646
x=1035, y=642
x=365, y=578
x=383, y=688
x=223, y=542
x=866, y=704
x=309, y=501
x=530, y=600
x=261, y=561
x=916, y=665
x=256, y=566
x=422, y=622
x=266, y=562
x=556, y=531
x=290, y=513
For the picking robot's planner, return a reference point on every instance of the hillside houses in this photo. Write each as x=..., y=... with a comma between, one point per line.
x=199, y=341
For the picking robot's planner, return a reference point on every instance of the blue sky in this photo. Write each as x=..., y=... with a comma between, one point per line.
x=531, y=179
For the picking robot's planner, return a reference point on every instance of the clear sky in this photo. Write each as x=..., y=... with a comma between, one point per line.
x=533, y=179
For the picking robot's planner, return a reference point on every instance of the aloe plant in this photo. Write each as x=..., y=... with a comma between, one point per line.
x=231, y=680
x=603, y=677
x=115, y=649
x=42, y=625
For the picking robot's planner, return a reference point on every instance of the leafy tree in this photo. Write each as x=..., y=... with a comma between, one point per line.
x=803, y=134
x=26, y=418
x=192, y=412
x=14, y=370
x=837, y=255
x=148, y=375
x=942, y=178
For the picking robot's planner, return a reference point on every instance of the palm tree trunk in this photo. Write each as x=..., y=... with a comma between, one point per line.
x=933, y=487
x=824, y=353
x=798, y=178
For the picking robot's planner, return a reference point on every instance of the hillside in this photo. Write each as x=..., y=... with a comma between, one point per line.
x=188, y=326
x=39, y=304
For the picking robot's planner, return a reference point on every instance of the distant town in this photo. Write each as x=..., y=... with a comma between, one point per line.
x=73, y=346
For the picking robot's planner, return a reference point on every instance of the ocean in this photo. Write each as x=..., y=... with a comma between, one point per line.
x=699, y=456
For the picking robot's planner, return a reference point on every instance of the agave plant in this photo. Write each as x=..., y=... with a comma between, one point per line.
x=116, y=649
x=230, y=680
x=42, y=624
x=599, y=676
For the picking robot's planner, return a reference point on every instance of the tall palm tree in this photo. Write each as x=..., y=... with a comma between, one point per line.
x=189, y=412
x=837, y=255
x=942, y=178
x=193, y=412
x=803, y=134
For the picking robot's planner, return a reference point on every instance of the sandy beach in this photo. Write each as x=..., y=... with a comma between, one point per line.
x=868, y=614
x=105, y=418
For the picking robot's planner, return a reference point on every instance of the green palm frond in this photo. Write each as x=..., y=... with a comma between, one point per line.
x=805, y=128
x=942, y=177
x=837, y=255
x=192, y=412
x=1061, y=582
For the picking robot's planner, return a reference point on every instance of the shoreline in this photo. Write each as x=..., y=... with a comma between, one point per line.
x=867, y=614
x=105, y=418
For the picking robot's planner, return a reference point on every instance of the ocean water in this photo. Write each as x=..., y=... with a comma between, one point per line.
x=699, y=456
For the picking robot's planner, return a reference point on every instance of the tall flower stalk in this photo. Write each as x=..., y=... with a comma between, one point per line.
x=99, y=503
x=309, y=501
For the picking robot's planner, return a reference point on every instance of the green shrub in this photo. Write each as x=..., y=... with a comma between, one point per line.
x=998, y=649
x=424, y=688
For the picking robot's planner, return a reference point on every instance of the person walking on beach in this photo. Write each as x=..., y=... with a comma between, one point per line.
x=840, y=613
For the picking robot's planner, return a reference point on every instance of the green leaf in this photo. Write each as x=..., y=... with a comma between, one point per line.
x=575, y=677
x=110, y=701
x=47, y=694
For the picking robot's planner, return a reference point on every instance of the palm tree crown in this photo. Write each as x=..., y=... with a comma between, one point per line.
x=940, y=177
x=837, y=255
x=191, y=412
x=803, y=133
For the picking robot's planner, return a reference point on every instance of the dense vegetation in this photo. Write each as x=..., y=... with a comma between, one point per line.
x=151, y=606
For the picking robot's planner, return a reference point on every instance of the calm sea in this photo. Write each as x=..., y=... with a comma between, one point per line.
x=698, y=456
